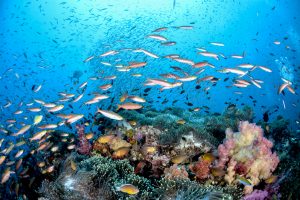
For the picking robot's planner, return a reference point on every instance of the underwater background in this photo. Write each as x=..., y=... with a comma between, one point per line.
x=131, y=98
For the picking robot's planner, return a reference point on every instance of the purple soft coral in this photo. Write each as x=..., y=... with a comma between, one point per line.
x=84, y=146
x=257, y=195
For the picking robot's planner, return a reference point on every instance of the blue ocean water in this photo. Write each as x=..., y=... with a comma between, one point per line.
x=45, y=43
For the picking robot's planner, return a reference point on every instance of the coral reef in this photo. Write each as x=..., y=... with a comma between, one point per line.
x=217, y=124
x=167, y=122
x=206, y=128
x=147, y=155
x=248, y=154
x=96, y=178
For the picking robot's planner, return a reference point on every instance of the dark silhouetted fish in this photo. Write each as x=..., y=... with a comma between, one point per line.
x=266, y=116
x=76, y=75
x=147, y=89
x=189, y=104
x=226, y=79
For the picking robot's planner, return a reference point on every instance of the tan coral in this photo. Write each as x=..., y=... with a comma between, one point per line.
x=230, y=176
x=117, y=143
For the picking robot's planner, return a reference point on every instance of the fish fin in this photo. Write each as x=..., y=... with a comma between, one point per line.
x=246, y=73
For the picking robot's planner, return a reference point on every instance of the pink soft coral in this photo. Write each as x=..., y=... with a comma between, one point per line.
x=249, y=154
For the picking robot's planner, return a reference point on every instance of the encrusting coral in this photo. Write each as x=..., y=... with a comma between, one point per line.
x=247, y=153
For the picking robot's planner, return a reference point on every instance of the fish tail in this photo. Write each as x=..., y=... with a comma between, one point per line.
x=98, y=110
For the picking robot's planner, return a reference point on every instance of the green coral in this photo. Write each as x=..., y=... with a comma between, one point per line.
x=186, y=189
x=115, y=173
x=107, y=169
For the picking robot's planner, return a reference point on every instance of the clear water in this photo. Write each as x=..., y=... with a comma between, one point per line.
x=45, y=43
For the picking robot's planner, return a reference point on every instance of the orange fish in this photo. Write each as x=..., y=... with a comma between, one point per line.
x=179, y=159
x=271, y=179
x=209, y=157
x=105, y=139
x=121, y=152
x=128, y=189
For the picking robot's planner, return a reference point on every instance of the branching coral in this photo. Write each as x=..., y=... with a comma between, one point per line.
x=114, y=173
x=247, y=150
